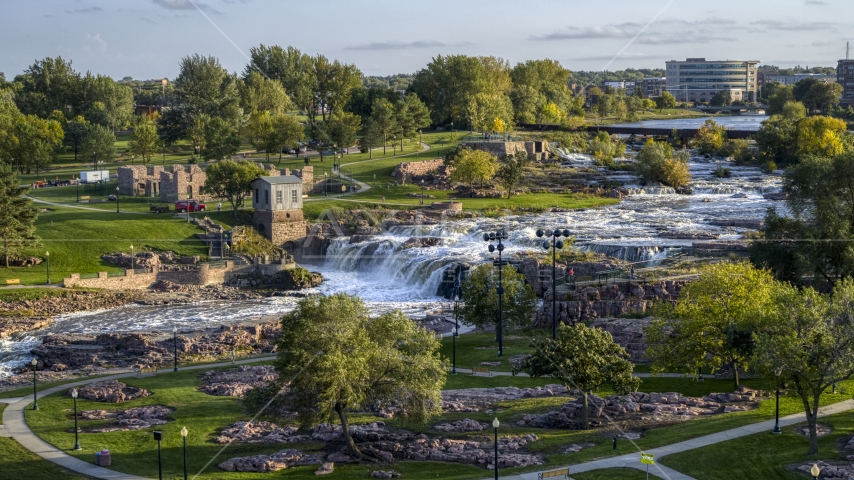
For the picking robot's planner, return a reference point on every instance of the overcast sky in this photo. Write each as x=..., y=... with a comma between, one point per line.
x=147, y=38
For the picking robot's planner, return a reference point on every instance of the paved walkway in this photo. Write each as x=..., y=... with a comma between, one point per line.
x=632, y=460
x=16, y=426
x=496, y=373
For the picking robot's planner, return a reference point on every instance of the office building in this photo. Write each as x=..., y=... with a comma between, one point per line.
x=698, y=79
x=845, y=77
x=797, y=77
x=653, y=87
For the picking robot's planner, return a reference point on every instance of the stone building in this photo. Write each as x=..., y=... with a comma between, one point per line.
x=537, y=150
x=277, y=200
x=169, y=184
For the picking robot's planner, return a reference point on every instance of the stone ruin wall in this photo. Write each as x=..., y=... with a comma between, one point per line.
x=407, y=170
x=536, y=150
x=200, y=275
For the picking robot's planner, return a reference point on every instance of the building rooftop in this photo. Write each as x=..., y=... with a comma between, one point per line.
x=277, y=179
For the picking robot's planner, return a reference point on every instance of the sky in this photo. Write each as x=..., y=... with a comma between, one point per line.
x=146, y=39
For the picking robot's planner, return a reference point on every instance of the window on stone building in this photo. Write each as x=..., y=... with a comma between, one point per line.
x=256, y=196
x=294, y=196
x=278, y=196
x=267, y=197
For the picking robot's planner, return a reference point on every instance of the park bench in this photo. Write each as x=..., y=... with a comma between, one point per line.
x=13, y=281
x=143, y=371
x=158, y=208
x=563, y=472
x=96, y=200
x=85, y=197
x=476, y=370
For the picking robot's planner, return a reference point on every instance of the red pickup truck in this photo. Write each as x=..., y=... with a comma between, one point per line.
x=191, y=205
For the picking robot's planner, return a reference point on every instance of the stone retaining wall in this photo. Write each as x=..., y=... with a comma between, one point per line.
x=407, y=170
x=200, y=275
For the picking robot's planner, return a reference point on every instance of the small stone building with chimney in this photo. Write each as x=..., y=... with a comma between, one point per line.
x=169, y=184
x=277, y=201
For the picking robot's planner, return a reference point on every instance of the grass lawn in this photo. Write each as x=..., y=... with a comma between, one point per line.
x=77, y=238
x=763, y=455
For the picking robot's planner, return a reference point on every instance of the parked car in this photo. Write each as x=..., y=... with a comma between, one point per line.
x=189, y=205
x=287, y=151
x=328, y=152
x=158, y=208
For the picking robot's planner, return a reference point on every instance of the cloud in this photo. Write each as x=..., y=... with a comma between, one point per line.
x=623, y=56
x=397, y=45
x=149, y=21
x=184, y=5
x=684, y=37
x=794, y=26
x=97, y=45
x=660, y=33
x=816, y=3
x=86, y=10
x=623, y=30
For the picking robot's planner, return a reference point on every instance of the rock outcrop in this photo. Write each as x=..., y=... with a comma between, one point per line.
x=236, y=382
x=111, y=391
x=138, y=418
x=16, y=324
x=609, y=300
x=270, y=463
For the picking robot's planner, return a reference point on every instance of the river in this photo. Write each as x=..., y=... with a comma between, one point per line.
x=393, y=277
x=735, y=122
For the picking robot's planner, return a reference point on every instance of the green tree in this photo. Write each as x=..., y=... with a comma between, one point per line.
x=372, y=137
x=583, y=358
x=343, y=127
x=666, y=100
x=27, y=141
x=221, y=140
x=721, y=99
x=657, y=162
x=292, y=68
x=713, y=323
x=777, y=138
x=17, y=215
x=144, y=142
x=75, y=132
x=287, y=131
x=511, y=169
x=196, y=132
x=204, y=86
x=778, y=97
x=384, y=119
x=823, y=136
x=259, y=130
x=412, y=115
x=481, y=298
x=710, y=137
x=115, y=99
x=605, y=149
x=261, y=94
x=813, y=243
x=335, y=81
x=98, y=147
x=48, y=85
x=810, y=346
x=232, y=181
x=470, y=165
x=338, y=359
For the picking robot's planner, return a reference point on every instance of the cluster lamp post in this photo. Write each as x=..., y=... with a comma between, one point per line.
x=555, y=244
x=76, y=441
x=490, y=237
x=35, y=363
x=175, y=347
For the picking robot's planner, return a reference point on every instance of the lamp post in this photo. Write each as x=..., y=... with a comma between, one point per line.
x=175, y=347
x=777, y=430
x=454, y=334
x=457, y=312
x=394, y=145
x=325, y=185
x=78, y=191
x=35, y=363
x=555, y=244
x=47, y=261
x=158, y=435
x=422, y=191
x=495, y=424
x=74, y=396
x=815, y=471
x=184, y=436
x=132, y=258
x=117, y=199
x=490, y=237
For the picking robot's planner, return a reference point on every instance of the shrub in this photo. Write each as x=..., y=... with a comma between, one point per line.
x=723, y=172
x=769, y=166
x=657, y=162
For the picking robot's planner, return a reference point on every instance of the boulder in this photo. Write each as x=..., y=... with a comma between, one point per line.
x=111, y=391
x=270, y=463
x=325, y=469
x=421, y=242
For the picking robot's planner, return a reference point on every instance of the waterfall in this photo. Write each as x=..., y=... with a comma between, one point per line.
x=632, y=253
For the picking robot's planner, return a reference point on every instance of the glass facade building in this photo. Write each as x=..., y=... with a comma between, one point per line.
x=698, y=79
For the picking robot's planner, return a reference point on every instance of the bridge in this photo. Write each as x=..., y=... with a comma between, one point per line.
x=664, y=132
x=736, y=109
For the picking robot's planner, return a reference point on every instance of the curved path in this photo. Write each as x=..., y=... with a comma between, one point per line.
x=17, y=428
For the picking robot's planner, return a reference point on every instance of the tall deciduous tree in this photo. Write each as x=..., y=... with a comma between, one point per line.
x=657, y=162
x=470, y=165
x=98, y=147
x=292, y=68
x=259, y=94
x=115, y=99
x=666, y=100
x=196, y=132
x=714, y=321
x=338, y=359
x=17, y=215
x=144, y=141
x=287, y=131
x=810, y=345
x=342, y=129
x=511, y=169
x=204, y=86
x=583, y=358
x=481, y=298
x=383, y=119
x=221, y=139
x=232, y=181
x=48, y=85
x=75, y=132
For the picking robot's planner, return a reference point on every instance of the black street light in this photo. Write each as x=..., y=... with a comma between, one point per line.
x=117, y=199
x=175, y=347
x=76, y=441
x=490, y=237
x=422, y=191
x=78, y=191
x=495, y=424
x=454, y=334
x=777, y=413
x=184, y=435
x=420, y=143
x=394, y=145
x=47, y=261
x=35, y=363
x=555, y=244
x=325, y=185
x=158, y=435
